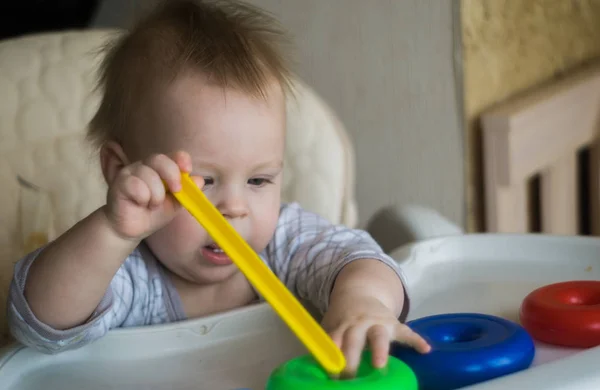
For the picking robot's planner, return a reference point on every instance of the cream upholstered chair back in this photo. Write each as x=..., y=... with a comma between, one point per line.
x=46, y=100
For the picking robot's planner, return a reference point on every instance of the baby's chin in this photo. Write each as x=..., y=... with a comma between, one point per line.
x=208, y=273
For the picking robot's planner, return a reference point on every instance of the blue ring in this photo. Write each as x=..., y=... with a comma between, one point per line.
x=466, y=348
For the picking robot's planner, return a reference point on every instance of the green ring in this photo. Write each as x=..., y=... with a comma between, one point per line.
x=304, y=373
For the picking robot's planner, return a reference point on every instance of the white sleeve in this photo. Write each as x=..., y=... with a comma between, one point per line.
x=130, y=300
x=308, y=252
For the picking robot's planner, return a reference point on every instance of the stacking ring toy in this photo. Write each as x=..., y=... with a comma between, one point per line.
x=466, y=348
x=304, y=373
x=565, y=314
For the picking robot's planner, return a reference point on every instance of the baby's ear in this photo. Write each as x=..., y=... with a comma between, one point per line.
x=112, y=160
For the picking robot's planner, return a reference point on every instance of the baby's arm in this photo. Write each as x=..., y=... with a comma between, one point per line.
x=309, y=254
x=136, y=278
x=370, y=278
x=112, y=308
x=65, y=284
x=68, y=279
x=347, y=276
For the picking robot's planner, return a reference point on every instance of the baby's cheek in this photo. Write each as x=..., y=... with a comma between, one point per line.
x=265, y=226
x=183, y=234
x=188, y=228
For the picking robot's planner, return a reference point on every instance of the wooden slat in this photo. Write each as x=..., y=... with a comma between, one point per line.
x=512, y=209
x=559, y=197
x=506, y=208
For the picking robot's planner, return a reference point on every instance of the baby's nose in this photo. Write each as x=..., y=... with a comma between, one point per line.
x=234, y=207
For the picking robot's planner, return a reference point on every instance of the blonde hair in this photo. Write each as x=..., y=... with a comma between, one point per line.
x=234, y=44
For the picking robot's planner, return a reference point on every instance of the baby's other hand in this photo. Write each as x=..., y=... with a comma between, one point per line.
x=366, y=322
x=138, y=203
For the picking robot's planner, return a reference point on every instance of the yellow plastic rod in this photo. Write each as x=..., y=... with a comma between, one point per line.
x=308, y=331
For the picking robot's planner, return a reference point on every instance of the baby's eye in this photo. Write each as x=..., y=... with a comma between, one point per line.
x=209, y=181
x=258, y=181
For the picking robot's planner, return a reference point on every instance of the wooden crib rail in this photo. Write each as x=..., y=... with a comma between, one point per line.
x=540, y=136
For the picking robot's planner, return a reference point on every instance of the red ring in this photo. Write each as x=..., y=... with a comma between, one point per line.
x=565, y=314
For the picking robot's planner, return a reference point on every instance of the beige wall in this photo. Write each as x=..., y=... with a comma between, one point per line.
x=511, y=46
x=386, y=68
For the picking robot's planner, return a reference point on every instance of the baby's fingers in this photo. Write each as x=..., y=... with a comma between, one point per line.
x=183, y=161
x=135, y=190
x=378, y=337
x=407, y=336
x=353, y=345
x=153, y=183
x=167, y=170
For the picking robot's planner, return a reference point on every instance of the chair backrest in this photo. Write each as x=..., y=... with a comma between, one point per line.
x=46, y=102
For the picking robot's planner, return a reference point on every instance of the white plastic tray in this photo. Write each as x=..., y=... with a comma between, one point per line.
x=476, y=273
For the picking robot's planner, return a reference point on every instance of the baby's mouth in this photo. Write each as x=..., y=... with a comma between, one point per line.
x=213, y=254
x=214, y=248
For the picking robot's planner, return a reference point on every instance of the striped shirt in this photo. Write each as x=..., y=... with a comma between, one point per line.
x=306, y=253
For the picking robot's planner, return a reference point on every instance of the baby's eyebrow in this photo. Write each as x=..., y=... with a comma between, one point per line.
x=270, y=164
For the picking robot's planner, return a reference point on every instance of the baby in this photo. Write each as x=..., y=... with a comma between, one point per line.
x=200, y=88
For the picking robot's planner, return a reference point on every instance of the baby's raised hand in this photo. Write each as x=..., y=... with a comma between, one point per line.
x=366, y=322
x=138, y=203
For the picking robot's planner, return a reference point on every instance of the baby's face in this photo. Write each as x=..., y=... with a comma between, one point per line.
x=236, y=143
